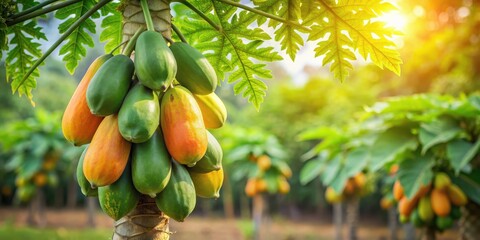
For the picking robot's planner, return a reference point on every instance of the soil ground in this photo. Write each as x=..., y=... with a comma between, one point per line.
x=212, y=228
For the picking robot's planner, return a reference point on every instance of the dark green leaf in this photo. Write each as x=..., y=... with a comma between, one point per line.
x=331, y=170
x=415, y=172
x=436, y=132
x=469, y=185
x=389, y=145
x=461, y=152
x=356, y=160
x=311, y=170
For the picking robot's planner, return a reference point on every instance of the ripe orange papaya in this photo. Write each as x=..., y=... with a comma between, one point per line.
x=182, y=126
x=397, y=191
x=349, y=188
x=251, y=187
x=214, y=112
x=107, y=154
x=78, y=123
x=264, y=162
x=456, y=195
x=440, y=203
x=207, y=185
x=406, y=206
x=40, y=179
x=359, y=180
x=386, y=203
x=261, y=185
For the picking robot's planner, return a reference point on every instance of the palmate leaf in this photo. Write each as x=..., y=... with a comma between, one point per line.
x=112, y=27
x=74, y=47
x=234, y=48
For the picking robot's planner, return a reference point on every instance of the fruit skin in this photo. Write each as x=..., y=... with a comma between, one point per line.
x=284, y=169
x=386, y=203
x=109, y=85
x=440, y=203
x=151, y=165
x=139, y=115
x=251, y=187
x=212, y=160
x=107, y=154
x=416, y=219
x=425, y=210
x=78, y=123
x=182, y=126
x=349, y=188
x=443, y=223
x=207, y=185
x=283, y=185
x=442, y=181
x=213, y=110
x=360, y=180
x=85, y=187
x=40, y=179
x=178, y=199
x=261, y=185
x=397, y=191
x=456, y=195
x=406, y=206
x=404, y=219
x=120, y=197
x=264, y=162
x=333, y=197
x=194, y=70
x=155, y=65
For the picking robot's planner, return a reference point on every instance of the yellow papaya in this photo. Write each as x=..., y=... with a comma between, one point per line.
x=442, y=181
x=261, y=185
x=78, y=123
x=283, y=185
x=456, y=195
x=284, y=169
x=207, y=185
x=264, y=162
x=440, y=204
x=359, y=180
x=386, y=203
x=213, y=110
x=425, y=210
x=397, y=191
x=107, y=154
x=182, y=126
x=333, y=197
x=251, y=187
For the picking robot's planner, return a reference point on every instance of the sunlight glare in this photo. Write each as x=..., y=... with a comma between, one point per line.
x=395, y=19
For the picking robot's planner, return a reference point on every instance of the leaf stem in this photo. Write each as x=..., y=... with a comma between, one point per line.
x=201, y=14
x=179, y=34
x=40, y=12
x=70, y=30
x=32, y=9
x=146, y=13
x=131, y=44
x=119, y=45
x=265, y=14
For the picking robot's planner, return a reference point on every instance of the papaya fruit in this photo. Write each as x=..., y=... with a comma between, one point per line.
x=212, y=160
x=386, y=203
x=332, y=197
x=284, y=169
x=214, y=112
x=155, y=65
x=397, y=190
x=26, y=192
x=107, y=154
x=151, y=165
x=194, y=71
x=406, y=206
x=261, y=185
x=264, y=162
x=139, y=115
x=82, y=181
x=182, y=126
x=416, y=219
x=422, y=191
x=207, y=185
x=425, y=210
x=456, y=195
x=120, y=197
x=442, y=181
x=393, y=170
x=443, y=223
x=110, y=85
x=403, y=219
x=251, y=187
x=40, y=179
x=359, y=180
x=283, y=185
x=440, y=204
x=178, y=198
x=78, y=123
x=349, y=187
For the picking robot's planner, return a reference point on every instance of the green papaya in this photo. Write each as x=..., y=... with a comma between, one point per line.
x=84, y=184
x=455, y=213
x=212, y=160
x=109, y=85
x=155, y=64
x=425, y=210
x=151, y=165
x=194, y=71
x=443, y=223
x=139, y=115
x=120, y=197
x=416, y=219
x=178, y=198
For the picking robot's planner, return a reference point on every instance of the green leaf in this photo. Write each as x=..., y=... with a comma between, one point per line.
x=389, y=145
x=461, y=152
x=311, y=170
x=235, y=48
x=331, y=170
x=74, y=47
x=438, y=131
x=415, y=172
x=112, y=27
x=356, y=160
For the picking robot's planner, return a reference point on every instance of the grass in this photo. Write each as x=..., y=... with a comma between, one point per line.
x=10, y=232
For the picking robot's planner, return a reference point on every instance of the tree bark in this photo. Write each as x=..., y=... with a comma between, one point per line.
x=338, y=220
x=72, y=194
x=429, y=233
x=392, y=223
x=258, y=207
x=228, y=199
x=470, y=222
x=409, y=231
x=352, y=218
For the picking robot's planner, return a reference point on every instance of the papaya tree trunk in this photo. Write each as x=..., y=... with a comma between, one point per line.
x=470, y=222
x=352, y=218
x=228, y=198
x=146, y=221
x=392, y=223
x=72, y=194
x=429, y=233
x=409, y=231
x=338, y=220
x=91, y=211
x=258, y=207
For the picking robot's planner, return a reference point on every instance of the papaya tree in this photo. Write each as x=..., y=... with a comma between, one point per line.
x=257, y=159
x=434, y=142
x=177, y=53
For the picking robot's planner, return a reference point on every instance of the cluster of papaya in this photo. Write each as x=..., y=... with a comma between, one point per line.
x=354, y=187
x=435, y=207
x=146, y=124
x=271, y=176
